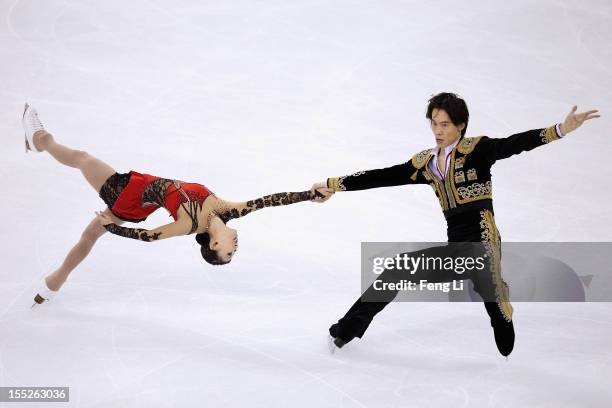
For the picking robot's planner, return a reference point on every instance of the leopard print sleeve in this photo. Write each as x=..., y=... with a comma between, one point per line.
x=134, y=233
x=173, y=229
x=272, y=200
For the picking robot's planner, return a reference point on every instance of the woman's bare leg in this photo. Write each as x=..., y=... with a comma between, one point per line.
x=96, y=172
x=79, y=252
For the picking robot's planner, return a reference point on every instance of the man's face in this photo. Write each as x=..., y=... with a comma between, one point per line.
x=445, y=132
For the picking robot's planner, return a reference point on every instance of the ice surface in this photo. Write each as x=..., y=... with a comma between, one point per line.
x=250, y=98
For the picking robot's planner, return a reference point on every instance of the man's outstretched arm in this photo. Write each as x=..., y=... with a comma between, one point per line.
x=502, y=148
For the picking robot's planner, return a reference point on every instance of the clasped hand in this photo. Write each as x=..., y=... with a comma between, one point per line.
x=103, y=219
x=322, y=192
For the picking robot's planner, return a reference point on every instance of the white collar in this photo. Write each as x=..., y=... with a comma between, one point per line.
x=447, y=149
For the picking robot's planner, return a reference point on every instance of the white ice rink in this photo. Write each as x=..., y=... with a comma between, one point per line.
x=256, y=97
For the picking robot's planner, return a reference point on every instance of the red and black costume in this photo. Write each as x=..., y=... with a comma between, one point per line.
x=134, y=196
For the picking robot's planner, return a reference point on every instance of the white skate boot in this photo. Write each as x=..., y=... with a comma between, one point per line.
x=44, y=294
x=31, y=124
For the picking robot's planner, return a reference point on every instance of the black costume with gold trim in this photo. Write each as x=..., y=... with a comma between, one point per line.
x=465, y=195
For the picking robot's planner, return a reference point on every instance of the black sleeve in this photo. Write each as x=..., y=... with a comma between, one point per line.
x=502, y=148
x=397, y=175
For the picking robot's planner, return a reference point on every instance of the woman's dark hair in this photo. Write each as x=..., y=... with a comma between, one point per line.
x=453, y=105
x=208, y=254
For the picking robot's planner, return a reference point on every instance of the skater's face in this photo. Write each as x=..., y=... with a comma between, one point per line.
x=443, y=128
x=225, y=243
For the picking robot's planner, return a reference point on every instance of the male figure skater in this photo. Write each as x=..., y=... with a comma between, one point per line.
x=459, y=171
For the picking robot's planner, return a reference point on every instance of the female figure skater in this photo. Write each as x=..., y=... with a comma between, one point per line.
x=459, y=171
x=134, y=196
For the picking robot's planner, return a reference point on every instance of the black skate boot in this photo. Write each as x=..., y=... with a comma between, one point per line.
x=502, y=329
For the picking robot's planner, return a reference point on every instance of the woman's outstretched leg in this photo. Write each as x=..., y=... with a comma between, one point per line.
x=96, y=172
x=78, y=253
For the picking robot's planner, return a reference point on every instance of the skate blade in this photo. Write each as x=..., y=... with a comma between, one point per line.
x=330, y=344
x=27, y=145
x=38, y=300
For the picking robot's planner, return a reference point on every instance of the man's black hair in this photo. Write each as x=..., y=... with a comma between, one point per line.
x=453, y=105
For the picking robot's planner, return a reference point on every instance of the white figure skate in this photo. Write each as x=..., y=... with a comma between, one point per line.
x=44, y=294
x=31, y=124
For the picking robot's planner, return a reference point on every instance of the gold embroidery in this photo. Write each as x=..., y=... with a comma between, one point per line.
x=436, y=184
x=466, y=145
x=426, y=175
x=337, y=183
x=459, y=177
x=421, y=158
x=475, y=190
x=441, y=196
x=334, y=184
x=549, y=134
x=492, y=242
x=448, y=192
x=448, y=182
x=414, y=175
x=471, y=174
x=459, y=163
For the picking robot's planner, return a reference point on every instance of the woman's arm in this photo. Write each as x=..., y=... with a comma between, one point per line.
x=236, y=210
x=173, y=229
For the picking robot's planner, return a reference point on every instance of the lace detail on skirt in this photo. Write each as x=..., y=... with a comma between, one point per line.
x=113, y=186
